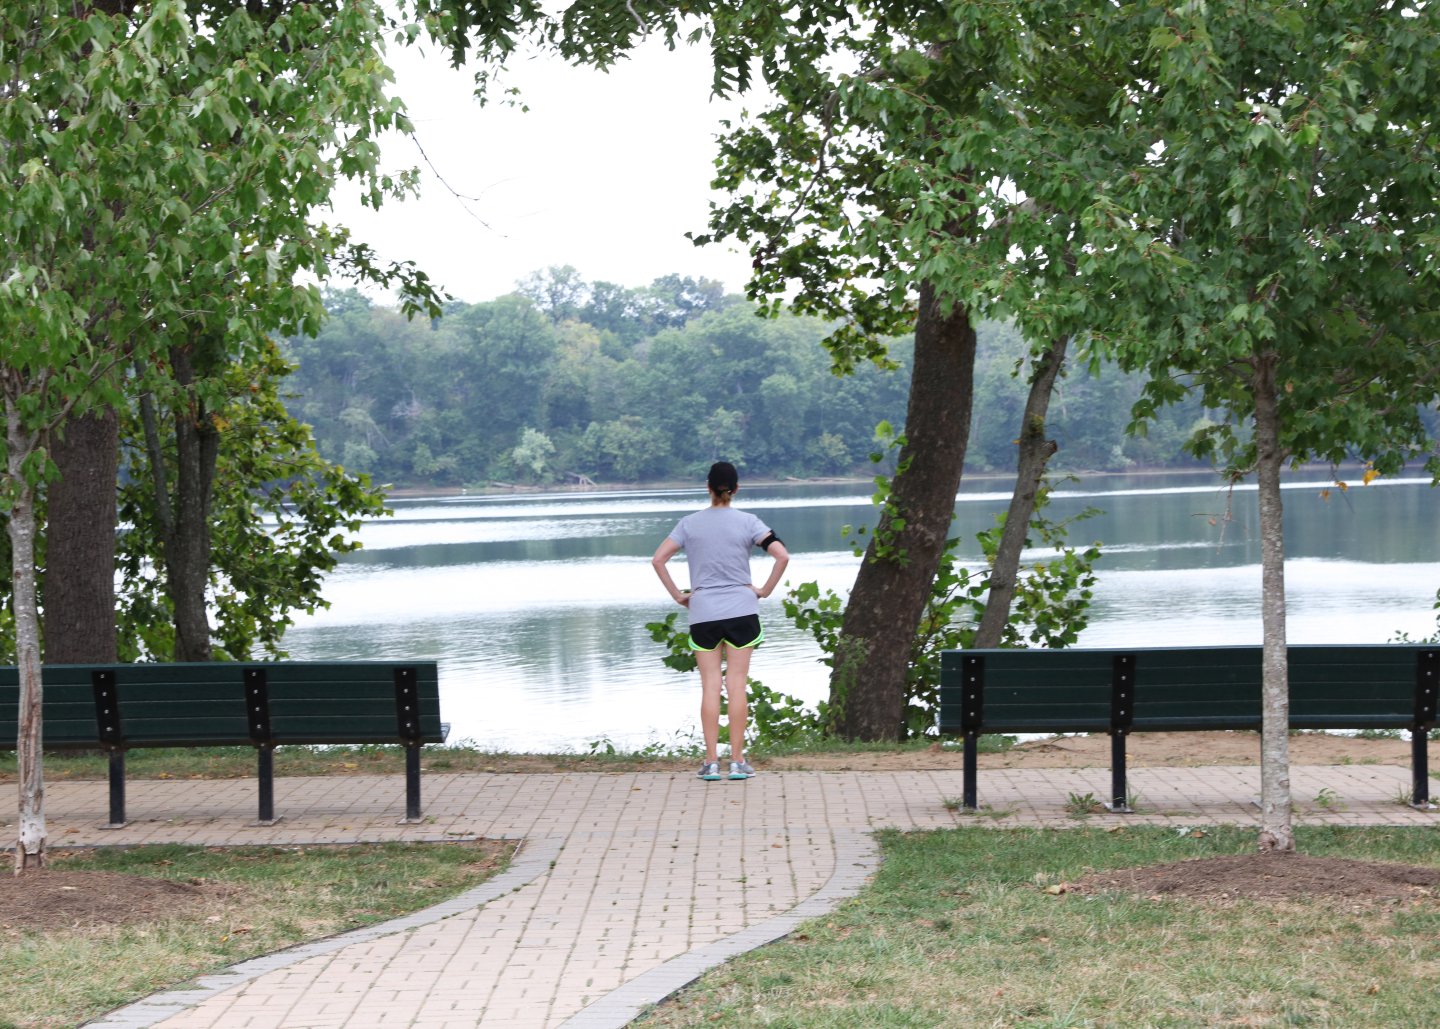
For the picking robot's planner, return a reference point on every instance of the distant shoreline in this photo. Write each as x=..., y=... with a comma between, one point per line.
x=604, y=487
x=518, y=489
x=666, y=485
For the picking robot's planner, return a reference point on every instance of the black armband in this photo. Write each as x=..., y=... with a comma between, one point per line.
x=765, y=543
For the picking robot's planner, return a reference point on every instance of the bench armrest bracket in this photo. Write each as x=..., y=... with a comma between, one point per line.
x=257, y=706
x=407, y=704
x=1427, y=681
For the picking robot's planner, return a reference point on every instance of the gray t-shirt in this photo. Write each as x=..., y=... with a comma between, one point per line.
x=717, y=544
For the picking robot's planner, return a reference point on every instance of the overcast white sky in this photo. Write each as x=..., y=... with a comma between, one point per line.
x=605, y=172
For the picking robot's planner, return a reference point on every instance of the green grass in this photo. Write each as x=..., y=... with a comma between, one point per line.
x=240, y=762
x=274, y=897
x=958, y=930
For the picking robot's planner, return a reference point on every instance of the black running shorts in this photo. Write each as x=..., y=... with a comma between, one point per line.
x=743, y=632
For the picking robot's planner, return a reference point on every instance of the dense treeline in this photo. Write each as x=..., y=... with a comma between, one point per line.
x=566, y=378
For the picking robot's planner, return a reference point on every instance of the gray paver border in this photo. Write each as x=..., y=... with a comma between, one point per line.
x=856, y=857
x=534, y=859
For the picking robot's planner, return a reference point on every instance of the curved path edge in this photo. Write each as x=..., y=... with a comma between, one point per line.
x=857, y=856
x=533, y=859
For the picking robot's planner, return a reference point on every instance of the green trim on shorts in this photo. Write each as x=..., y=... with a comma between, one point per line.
x=710, y=650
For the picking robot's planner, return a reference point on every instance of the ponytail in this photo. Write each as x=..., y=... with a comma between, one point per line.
x=723, y=480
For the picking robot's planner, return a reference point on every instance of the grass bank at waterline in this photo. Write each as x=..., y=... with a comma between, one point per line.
x=982, y=927
x=239, y=762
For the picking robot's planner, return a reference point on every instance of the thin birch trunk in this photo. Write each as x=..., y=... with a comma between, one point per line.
x=1276, y=832
x=1034, y=456
x=30, y=845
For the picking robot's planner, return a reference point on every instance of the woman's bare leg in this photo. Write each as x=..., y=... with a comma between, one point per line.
x=737, y=679
x=710, y=679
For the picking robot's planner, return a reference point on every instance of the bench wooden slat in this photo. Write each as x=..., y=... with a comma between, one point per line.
x=60, y=733
x=184, y=732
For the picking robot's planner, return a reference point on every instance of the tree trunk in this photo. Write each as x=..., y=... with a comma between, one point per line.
x=187, y=542
x=1276, y=832
x=29, y=744
x=1034, y=456
x=867, y=685
x=80, y=542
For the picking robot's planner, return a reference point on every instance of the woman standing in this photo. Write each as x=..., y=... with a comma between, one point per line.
x=724, y=606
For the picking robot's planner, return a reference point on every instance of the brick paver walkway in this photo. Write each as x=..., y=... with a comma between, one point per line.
x=625, y=886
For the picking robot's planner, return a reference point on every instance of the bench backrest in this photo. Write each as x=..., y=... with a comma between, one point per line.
x=1181, y=688
x=1013, y=692
x=259, y=703
x=1158, y=689
x=1384, y=686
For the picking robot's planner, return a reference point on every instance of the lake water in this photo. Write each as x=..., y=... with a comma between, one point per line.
x=535, y=606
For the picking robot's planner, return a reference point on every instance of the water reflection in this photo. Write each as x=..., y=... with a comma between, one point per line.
x=536, y=606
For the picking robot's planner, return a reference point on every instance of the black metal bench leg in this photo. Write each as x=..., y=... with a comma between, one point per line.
x=412, y=783
x=265, y=775
x=1118, y=803
x=1420, y=769
x=971, y=762
x=117, y=789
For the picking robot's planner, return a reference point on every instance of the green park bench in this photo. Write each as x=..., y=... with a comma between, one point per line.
x=118, y=707
x=1184, y=689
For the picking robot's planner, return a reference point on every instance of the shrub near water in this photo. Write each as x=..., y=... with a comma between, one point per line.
x=958, y=929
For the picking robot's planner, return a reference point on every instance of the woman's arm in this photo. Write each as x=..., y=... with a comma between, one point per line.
x=668, y=549
x=781, y=557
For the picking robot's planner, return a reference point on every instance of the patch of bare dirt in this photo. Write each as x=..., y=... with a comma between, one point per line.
x=1142, y=750
x=1158, y=749
x=1270, y=877
x=53, y=900
x=1254, y=876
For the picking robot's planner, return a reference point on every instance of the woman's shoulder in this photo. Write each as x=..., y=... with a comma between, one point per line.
x=721, y=513
x=746, y=519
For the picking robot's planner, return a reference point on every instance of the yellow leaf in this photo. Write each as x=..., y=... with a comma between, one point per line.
x=1343, y=486
x=1370, y=476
